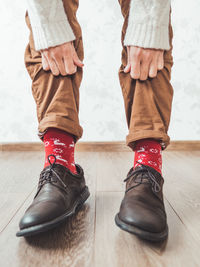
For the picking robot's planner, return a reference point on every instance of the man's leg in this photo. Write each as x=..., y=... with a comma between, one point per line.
x=57, y=97
x=148, y=109
x=147, y=103
x=61, y=187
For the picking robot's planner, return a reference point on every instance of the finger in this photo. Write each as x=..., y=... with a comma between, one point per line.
x=135, y=69
x=78, y=62
x=144, y=70
x=153, y=69
x=76, y=59
x=45, y=63
x=69, y=65
x=54, y=69
x=127, y=68
x=61, y=66
x=161, y=60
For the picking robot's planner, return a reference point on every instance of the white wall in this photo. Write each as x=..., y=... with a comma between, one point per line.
x=101, y=108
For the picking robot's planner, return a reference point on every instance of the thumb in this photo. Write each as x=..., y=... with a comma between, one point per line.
x=128, y=66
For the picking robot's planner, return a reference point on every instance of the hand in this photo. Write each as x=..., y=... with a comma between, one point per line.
x=143, y=63
x=61, y=59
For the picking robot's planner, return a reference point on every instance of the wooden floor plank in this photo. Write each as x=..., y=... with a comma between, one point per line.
x=116, y=248
x=113, y=168
x=182, y=188
x=69, y=245
x=19, y=176
x=91, y=239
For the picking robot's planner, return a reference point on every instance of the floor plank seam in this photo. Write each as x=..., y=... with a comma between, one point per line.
x=17, y=210
x=95, y=206
x=175, y=212
x=94, y=239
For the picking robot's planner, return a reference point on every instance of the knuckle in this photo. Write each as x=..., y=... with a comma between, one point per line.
x=136, y=54
x=134, y=76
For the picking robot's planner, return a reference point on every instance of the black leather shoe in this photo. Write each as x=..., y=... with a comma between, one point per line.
x=142, y=210
x=60, y=192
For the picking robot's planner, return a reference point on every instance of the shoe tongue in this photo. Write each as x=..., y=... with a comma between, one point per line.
x=138, y=167
x=141, y=168
x=143, y=174
x=147, y=168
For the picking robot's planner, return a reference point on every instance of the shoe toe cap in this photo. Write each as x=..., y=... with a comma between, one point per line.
x=143, y=217
x=39, y=213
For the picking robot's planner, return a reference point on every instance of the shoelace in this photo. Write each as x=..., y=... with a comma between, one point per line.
x=151, y=178
x=46, y=177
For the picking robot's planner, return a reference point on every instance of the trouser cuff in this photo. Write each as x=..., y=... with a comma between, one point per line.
x=60, y=123
x=161, y=137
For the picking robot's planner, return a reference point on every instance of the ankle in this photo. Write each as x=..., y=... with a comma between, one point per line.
x=148, y=152
x=61, y=144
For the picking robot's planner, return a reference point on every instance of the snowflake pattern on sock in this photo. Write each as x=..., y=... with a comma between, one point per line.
x=60, y=144
x=148, y=152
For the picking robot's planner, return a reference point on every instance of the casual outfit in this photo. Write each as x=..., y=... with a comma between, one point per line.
x=147, y=105
x=149, y=120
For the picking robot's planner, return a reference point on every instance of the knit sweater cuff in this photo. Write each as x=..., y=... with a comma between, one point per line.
x=52, y=34
x=147, y=36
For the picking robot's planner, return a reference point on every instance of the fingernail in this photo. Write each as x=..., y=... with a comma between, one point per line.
x=125, y=69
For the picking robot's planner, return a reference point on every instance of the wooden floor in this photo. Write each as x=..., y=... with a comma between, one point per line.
x=91, y=238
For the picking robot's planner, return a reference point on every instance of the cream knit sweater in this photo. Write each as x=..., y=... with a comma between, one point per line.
x=147, y=23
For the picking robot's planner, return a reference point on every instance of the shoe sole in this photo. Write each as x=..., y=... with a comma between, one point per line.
x=36, y=229
x=154, y=237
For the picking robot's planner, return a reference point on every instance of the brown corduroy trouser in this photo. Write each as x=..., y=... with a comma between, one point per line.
x=147, y=103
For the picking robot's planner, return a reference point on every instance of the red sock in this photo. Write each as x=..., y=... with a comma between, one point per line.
x=148, y=152
x=61, y=144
